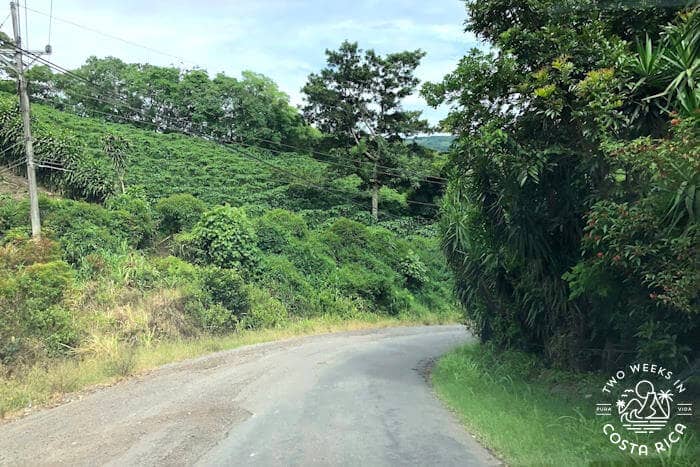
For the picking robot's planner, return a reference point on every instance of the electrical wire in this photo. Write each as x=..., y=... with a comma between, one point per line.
x=19, y=143
x=5, y=20
x=111, y=36
x=11, y=167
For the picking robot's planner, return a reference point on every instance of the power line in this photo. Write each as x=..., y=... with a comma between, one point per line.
x=222, y=143
x=111, y=36
x=17, y=144
x=10, y=167
x=5, y=20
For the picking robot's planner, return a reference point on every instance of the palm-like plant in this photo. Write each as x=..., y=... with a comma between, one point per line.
x=671, y=69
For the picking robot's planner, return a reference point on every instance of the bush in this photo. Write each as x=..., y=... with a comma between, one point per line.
x=413, y=269
x=226, y=288
x=375, y=286
x=21, y=251
x=223, y=237
x=310, y=257
x=84, y=238
x=134, y=214
x=179, y=212
x=55, y=325
x=265, y=311
x=210, y=317
x=277, y=228
x=13, y=213
x=30, y=308
x=44, y=283
x=348, y=240
x=174, y=271
x=285, y=283
x=84, y=228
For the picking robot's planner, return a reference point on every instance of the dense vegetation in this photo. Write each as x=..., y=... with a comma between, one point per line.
x=152, y=233
x=95, y=273
x=571, y=220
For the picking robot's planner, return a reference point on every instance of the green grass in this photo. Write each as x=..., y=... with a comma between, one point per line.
x=47, y=383
x=530, y=415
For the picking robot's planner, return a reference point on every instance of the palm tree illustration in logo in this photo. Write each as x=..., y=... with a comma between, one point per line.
x=643, y=410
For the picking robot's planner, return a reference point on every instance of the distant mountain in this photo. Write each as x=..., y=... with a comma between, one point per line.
x=439, y=143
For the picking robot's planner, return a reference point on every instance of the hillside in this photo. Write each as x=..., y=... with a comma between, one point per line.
x=206, y=240
x=440, y=143
x=164, y=164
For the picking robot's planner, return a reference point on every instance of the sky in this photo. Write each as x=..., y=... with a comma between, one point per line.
x=283, y=39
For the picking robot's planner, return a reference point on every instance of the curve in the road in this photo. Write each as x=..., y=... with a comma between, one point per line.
x=358, y=398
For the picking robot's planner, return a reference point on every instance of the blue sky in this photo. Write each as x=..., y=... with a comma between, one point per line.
x=281, y=39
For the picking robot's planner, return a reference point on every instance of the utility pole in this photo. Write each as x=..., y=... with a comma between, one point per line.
x=26, y=122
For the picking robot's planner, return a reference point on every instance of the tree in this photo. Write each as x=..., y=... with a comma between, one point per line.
x=540, y=118
x=357, y=100
x=116, y=149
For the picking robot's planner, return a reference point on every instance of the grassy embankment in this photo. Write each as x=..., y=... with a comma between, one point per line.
x=530, y=415
x=45, y=385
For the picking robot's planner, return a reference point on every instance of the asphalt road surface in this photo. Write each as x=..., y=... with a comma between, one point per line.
x=357, y=398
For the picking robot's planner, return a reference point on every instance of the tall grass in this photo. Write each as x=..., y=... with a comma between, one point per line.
x=530, y=415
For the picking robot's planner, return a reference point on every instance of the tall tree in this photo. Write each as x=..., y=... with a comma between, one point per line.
x=357, y=99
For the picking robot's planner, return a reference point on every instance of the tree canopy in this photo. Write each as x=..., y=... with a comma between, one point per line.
x=555, y=231
x=357, y=100
x=250, y=109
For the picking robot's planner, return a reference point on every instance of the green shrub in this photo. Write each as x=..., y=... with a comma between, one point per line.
x=44, y=284
x=175, y=271
x=135, y=217
x=310, y=257
x=226, y=288
x=277, y=228
x=265, y=311
x=347, y=239
x=179, y=212
x=286, y=283
x=400, y=301
x=210, y=317
x=13, y=213
x=84, y=238
x=223, y=237
x=375, y=286
x=413, y=269
x=20, y=250
x=84, y=228
x=30, y=305
x=55, y=325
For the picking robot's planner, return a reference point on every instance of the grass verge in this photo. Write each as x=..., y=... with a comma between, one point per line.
x=531, y=415
x=48, y=383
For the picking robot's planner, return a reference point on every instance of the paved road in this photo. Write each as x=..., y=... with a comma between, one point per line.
x=357, y=398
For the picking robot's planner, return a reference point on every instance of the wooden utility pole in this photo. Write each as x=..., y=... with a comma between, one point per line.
x=26, y=122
